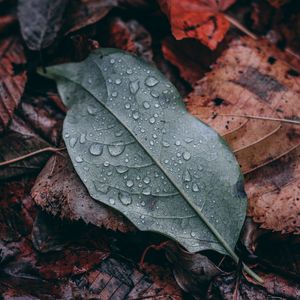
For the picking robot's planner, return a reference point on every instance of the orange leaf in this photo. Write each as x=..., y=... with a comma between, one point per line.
x=199, y=19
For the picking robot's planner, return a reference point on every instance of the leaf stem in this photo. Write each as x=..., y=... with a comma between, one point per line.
x=262, y=118
x=240, y=26
x=22, y=157
x=224, y=244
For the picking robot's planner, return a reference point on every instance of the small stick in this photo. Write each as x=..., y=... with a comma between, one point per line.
x=240, y=26
x=47, y=149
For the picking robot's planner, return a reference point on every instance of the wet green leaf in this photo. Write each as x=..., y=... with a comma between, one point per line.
x=137, y=149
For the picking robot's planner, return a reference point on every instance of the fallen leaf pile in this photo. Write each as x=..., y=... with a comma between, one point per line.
x=237, y=65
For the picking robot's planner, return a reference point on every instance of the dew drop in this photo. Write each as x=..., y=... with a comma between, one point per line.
x=146, y=191
x=114, y=94
x=136, y=115
x=73, y=142
x=165, y=144
x=129, y=71
x=146, y=105
x=115, y=150
x=188, y=140
x=134, y=86
x=127, y=105
x=91, y=110
x=121, y=169
x=106, y=163
x=177, y=143
x=187, y=176
x=112, y=61
x=129, y=183
x=112, y=201
x=90, y=81
x=96, y=149
x=78, y=159
x=125, y=198
x=82, y=138
x=119, y=133
x=152, y=120
x=151, y=81
x=193, y=234
x=146, y=180
x=195, y=187
x=143, y=203
x=118, y=81
x=154, y=94
x=186, y=155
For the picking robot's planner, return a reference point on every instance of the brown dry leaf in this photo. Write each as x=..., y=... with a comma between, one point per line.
x=21, y=140
x=274, y=194
x=82, y=13
x=249, y=80
x=278, y=3
x=225, y=287
x=11, y=84
x=192, y=271
x=59, y=191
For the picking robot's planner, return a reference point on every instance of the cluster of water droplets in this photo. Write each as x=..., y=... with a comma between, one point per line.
x=125, y=174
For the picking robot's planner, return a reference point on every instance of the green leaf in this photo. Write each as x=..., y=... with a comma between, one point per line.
x=138, y=150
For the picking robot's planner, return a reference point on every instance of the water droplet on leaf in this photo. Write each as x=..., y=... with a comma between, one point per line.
x=186, y=155
x=115, y=150
x=96, y=149
x=151, y=81
x=134, y=86
x=125, y=198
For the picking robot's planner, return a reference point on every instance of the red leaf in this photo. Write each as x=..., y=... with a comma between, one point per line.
x=11, y=85
x=199, y=19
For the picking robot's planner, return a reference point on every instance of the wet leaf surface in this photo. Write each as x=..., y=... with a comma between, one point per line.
x=161, y=175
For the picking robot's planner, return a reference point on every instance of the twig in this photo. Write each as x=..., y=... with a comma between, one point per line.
x=22, y=157
x=240, y=26
x=295, y=122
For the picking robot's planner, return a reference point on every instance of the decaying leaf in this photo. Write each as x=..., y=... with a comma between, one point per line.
x=192, y=271
x=40, y=21
x=130, y=36
x=191, y=58
x=278, y=3
x=11, y=84
x=127, y=146
x=40, y=113
x=59, y=191
x=21, y=140
x=82, y=13
x=249, y=80
x=225, y=287
x=274, y=193
x=199, y=19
